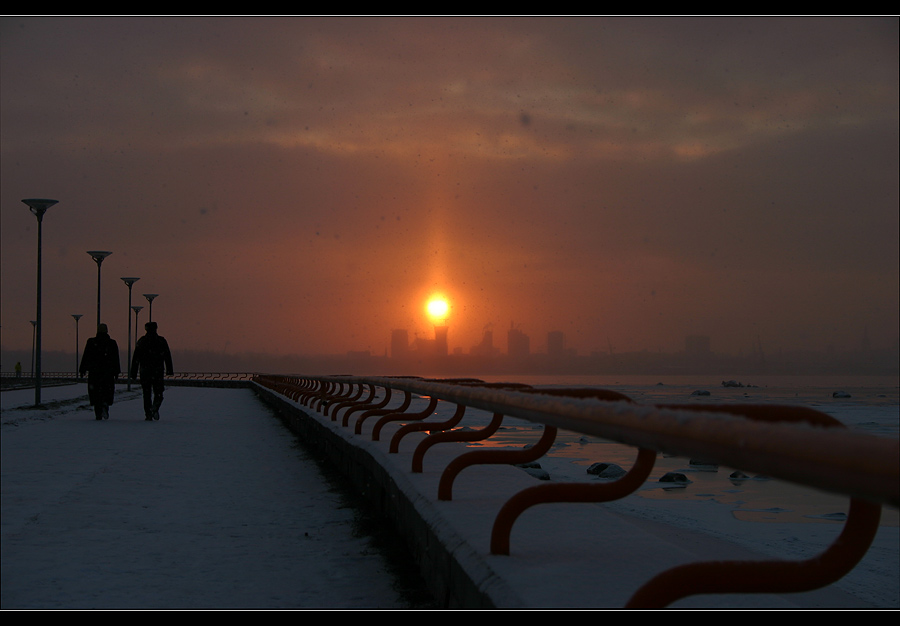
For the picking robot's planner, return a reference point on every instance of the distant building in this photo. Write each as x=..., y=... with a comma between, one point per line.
x=399, y=344
x=518, y=344
x=440, y=341
x=556, y=343
x=486, y=347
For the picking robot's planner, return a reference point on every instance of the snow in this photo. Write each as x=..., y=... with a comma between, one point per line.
x=214, y=506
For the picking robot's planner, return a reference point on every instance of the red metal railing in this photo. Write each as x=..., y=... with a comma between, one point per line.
x=797, y=444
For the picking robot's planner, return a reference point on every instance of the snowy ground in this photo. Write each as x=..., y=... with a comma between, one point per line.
x=198, y=511
x=213, y=506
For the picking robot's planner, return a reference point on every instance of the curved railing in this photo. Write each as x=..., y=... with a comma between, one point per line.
x=26, y=378
x=796, y=444
x=212, y=376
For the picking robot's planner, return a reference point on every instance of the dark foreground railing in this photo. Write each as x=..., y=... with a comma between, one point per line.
x=796, y=444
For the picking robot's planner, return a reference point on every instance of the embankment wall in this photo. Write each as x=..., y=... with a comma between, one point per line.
x=446, y=578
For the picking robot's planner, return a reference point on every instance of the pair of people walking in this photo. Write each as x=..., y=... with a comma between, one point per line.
x=152, y=360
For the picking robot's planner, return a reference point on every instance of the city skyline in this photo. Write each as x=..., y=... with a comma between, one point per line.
x=518, y=343
x=696, y=357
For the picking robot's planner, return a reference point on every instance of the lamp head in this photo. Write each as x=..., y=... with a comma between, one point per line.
x=99, y=255
x=39, y=206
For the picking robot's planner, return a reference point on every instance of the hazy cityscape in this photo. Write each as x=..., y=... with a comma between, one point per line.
x=516, y=352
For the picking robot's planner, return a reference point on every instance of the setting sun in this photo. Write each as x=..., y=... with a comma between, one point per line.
x=437, y=308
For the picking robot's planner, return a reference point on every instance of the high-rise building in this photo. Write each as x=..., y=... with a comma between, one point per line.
x=399, y=344
x=486, y=347
x=556, y=343
x=440, y=341
x=518, y=343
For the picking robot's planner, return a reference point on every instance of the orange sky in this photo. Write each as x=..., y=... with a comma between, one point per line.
x=302, y=185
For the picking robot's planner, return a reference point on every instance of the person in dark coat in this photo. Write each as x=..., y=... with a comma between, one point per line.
x=101, y=361
x=152, y=359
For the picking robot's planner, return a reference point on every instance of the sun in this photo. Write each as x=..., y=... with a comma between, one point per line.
x=437, y=308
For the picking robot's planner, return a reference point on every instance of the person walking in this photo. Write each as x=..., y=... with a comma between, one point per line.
x=101, y=361
x=152, y=359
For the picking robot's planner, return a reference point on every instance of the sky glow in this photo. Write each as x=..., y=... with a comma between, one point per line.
x=302, y=185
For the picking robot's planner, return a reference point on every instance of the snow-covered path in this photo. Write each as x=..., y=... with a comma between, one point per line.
x=213, y=506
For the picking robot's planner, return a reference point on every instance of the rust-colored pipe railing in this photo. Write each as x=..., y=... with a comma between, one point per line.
x=458, y=437
x=776, y=576
x=305, y=391
x=484, y=457
x=351, y=393
x=401, y=416
x=371, y=406
x=329, y=390
x=334, y=389
x=432, y=427
x=779, y=576
x=377, y=412
x=797, y=444
x=584, y=493
x=356, y=401
x=471, y=436
x=850, y=463
x=571, y=493
x=354, y=392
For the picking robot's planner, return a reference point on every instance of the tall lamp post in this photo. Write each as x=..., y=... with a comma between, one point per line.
x=98, y=256
x=150, y=297
x=129, y=281
x=38, y=207
x=77, y=317
x=33, y=336
x=136, y=309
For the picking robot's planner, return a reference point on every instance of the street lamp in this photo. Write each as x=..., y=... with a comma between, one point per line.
x=77, y=317
x=136, y=309
x=38, y=207
x=33, y=335
x=98, y=256
x=150, y=297
x=129, y=281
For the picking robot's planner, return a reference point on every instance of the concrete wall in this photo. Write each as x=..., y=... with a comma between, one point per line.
x=450, y=585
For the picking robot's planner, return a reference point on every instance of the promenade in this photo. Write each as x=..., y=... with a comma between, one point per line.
x=216, y=506
x=212, y=507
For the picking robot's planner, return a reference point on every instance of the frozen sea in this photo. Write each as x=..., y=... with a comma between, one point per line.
x=216, y=507
x=871, y=405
